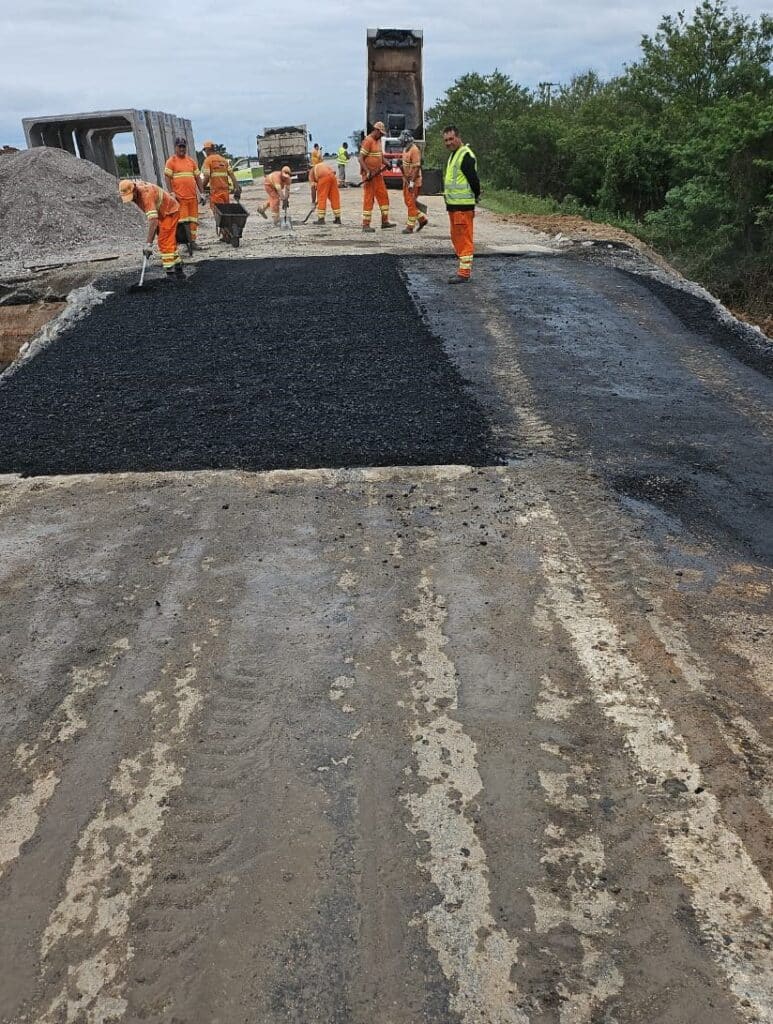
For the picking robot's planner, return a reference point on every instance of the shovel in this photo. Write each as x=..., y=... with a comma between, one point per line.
x=141, y=287
x=286, y=220
x=309, y=214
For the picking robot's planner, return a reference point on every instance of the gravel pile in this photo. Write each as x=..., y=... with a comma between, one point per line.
x=53, y=205
x=252, y=364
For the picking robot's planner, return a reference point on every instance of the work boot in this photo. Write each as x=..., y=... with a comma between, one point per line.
x=368, y=229
x=458, y=279
x=422, y=224
x=320, y=222
x=387, y=224
x=336, y=220
x=407, y=231
x=179, y=273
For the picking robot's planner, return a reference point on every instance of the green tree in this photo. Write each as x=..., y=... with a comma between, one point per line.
x=475, y=104
x=690, y=64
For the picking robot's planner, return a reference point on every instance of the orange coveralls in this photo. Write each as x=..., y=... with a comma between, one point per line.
x=159, y=205
x=324, y=177
x=181, y=173
x=316, y=158
x=215, y=171
x=412, y=173
x=462, y=223
x=375, y=189
x=275, y=190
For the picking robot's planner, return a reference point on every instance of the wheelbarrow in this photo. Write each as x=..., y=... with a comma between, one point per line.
x=184, y=236
x=230, y=219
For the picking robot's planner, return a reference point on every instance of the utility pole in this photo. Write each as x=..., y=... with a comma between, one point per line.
x=546, y=90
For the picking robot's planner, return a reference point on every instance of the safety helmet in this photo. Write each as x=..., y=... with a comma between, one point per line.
x=380, y=126
x=126, y=190
x=209, y=144
x=406, y=137
x=286, y=172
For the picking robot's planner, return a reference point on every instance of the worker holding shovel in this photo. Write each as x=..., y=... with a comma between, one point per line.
x=277, y=186
x=372, y=166
x=417, y=219
x=163, y=213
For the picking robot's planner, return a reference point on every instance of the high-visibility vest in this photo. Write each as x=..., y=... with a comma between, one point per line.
x=343, y=155
x=456, y=188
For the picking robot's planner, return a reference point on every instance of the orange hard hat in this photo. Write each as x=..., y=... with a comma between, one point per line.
x=286, y=172
x=208, y=144
x=126, y=190
x=380, y=126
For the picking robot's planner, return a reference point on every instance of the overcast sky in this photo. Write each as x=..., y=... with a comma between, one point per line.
x=235, y=70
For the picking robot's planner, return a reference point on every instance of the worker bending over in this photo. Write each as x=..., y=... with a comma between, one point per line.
x=277, y=186
x=372, y=167
x=184, y=182
x=412, y=183
x=162, y=212
x=324, y=178
x=461, y=190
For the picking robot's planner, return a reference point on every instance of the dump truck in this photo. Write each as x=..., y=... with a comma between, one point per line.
x=285, y=146
x=395, y=91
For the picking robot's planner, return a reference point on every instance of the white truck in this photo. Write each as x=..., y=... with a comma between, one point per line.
x=285, y=146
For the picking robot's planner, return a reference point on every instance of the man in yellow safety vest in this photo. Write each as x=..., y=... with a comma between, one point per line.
x=461, y=190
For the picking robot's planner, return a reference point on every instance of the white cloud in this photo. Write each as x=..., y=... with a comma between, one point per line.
x=235, y=71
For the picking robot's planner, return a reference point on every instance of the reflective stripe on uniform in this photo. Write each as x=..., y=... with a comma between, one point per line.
x=456, y=188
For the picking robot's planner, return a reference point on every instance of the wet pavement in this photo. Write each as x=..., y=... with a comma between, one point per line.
x=443, y=743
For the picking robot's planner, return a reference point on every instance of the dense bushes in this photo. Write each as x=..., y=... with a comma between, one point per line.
x=681, y=142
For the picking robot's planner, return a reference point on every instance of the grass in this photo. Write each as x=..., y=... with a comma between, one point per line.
x=505, y=201
x=500, y=200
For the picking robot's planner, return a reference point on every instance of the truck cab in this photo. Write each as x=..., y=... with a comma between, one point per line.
x=393, y=155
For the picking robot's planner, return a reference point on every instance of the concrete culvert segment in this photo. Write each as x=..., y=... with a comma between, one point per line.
x=256, y=365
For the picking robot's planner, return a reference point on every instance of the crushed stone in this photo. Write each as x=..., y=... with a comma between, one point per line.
x=52, y=203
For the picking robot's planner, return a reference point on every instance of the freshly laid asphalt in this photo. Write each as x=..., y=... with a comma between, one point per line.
x=255, y=365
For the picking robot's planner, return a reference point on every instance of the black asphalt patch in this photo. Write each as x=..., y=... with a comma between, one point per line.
x=255, y=365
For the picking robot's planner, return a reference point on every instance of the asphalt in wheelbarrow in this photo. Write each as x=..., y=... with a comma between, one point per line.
x=259, y=364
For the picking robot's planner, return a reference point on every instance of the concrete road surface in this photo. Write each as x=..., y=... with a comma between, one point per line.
x=443, y=744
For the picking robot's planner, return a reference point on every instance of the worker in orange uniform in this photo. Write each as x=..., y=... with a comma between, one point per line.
x=316, y=158
x=324, y=178
x=216, y=172
x=412, y=183
x=184, y=182
x=461, y=190
x=163, y=212
x=372, y=166
x=277, y=186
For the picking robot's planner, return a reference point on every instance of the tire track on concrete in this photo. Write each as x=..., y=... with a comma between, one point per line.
x=575, y=856
x=114, y=860
x=476, y=955
x=732, y=899
x=35, y=767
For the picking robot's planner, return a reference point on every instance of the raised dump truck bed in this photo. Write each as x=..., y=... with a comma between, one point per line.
x=395, y=80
